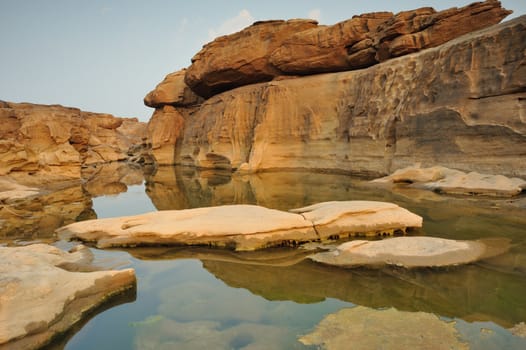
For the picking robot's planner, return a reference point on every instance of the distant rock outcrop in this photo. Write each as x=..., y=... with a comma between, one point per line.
x=458, y=105
x=59, y=140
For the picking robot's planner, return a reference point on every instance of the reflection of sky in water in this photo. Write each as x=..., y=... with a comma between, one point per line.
x=133, y=201
x=182, y=304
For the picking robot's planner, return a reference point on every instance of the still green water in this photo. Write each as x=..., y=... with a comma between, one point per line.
x=190, y=298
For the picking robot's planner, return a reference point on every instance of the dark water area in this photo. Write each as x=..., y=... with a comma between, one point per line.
x=195, y=298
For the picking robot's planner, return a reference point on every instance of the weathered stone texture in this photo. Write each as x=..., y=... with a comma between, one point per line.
x=269, y=49
x=60, y=139
x=459, y=105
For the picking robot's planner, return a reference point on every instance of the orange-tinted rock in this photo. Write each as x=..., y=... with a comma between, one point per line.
x=172, y=91
x=60, y=139
x=270, y=49
x=324, y=48
x=241, y=58
x=459, y=105
x=164, y=130
x=412, y=31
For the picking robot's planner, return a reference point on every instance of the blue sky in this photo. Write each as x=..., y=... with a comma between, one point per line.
x=105, y=55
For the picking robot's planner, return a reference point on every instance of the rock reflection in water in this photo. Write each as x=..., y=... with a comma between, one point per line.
x=57, y=203
x=37, y=217
x=471, y=293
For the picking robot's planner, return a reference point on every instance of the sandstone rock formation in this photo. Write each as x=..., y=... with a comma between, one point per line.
x=444, y=180
x=59, y=140
x=241, y=58
x=44, y=292
x=366, y=328
x=410, y=252
x=268, y=49
x=458, y=105
x=358, y=218
x=172, y=91
x=244, y=227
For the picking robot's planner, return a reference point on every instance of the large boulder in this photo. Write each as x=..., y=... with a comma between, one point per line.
x=459, y=105
x=244, y=227
x=172, y=91
x=44, y=292
x=241, y=58
x=410, y=252
x=269, y=49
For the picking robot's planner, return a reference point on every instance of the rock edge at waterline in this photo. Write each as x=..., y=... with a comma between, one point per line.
x=44, y=293
x=450, y=181
x=411, y=252
x=246, y=227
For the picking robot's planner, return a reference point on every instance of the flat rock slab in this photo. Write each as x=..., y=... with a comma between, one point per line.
x=365, y=328
x=410, y=252
x=43, y=294
x=444, y=180
x=243, y=227
x=340, y=219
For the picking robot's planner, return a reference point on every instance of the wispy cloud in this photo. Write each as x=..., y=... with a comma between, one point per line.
x=314, y=14
x=182, y=25
x=231, y=25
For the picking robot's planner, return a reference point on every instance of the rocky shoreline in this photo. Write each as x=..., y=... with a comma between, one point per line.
x=373, y=95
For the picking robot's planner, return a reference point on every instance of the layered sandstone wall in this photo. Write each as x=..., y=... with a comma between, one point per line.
x=460, y=104
x=59, y=140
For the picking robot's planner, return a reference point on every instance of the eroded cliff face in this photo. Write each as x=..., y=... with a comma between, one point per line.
x=268, y=49
x=460, y=105
x=59, y=140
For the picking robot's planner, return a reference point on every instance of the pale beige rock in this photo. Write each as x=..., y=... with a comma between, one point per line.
x=365, y=328
x=444, y=180
x=243, y=227
x=358, y=218
x=519, y=330
x=10, y=189
x=408, y=252
x=42, y=296
x=448, y=106
x=172, y=91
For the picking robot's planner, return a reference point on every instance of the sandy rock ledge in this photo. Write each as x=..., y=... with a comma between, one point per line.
x=246, y=227
x=411, y=252
x=43, y=292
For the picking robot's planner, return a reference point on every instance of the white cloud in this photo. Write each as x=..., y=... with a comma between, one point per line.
x=232, y=25
x=314, y=14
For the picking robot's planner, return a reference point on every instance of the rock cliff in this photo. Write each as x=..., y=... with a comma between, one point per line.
x=268, y=49
x=459, y=104
x=59, y=140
